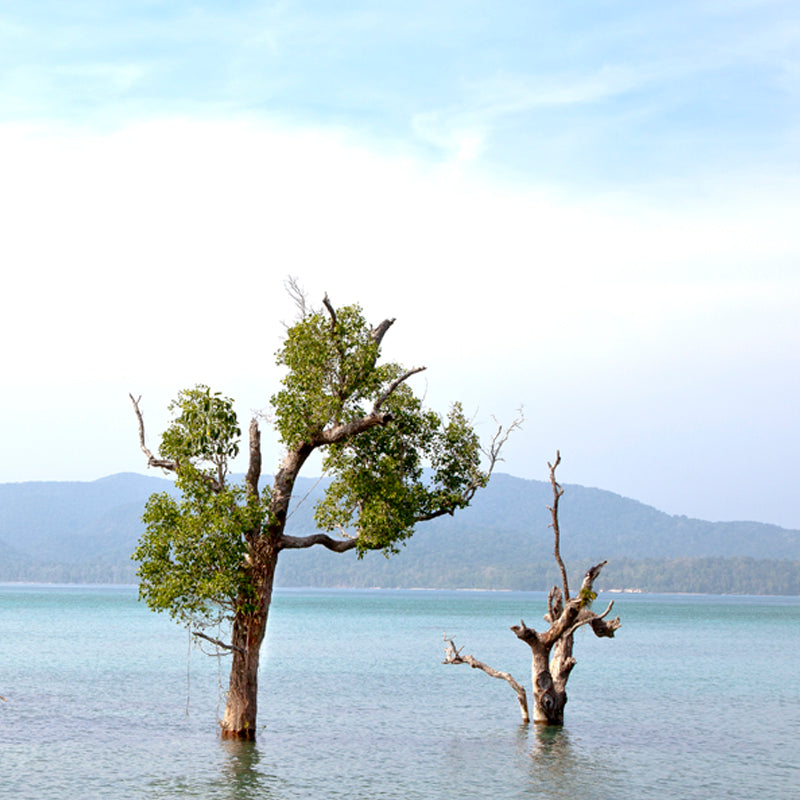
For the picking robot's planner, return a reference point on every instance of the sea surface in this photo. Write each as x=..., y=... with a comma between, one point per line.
x=695, y=697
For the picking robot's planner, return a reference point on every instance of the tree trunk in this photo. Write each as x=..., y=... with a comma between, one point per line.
x=548, y=704
x=249, y=629
x=550, y=679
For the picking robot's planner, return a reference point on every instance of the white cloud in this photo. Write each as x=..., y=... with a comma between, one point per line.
x=152, y=258
x=165, y=222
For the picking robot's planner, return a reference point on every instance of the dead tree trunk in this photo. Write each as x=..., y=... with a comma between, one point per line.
x=551, y=651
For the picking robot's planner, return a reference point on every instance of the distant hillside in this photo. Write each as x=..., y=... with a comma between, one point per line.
x=85, y=532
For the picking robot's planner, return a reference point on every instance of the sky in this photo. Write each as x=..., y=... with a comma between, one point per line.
x=587, y=210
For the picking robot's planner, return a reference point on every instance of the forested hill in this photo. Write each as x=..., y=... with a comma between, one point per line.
x=85, y=531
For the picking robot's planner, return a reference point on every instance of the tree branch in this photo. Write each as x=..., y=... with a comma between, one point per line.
x=347, y=430
x=298, y=294
x=342, y=432
x=557, y=492
x=577, y=612
x=566, y=618
x=152, y=461
x=379, y=332
x=331, y=312
x=217, y=642
x=393, y=385
x=528, y=635
x=492, y=452
x=302, y=542
x=555, y=605
x=601, y=628
x=453, y=656
x=254, y=465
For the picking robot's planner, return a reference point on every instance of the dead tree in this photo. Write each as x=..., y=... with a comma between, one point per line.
x=552, y=660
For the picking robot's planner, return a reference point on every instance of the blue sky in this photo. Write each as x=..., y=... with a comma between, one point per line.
x=588, y=209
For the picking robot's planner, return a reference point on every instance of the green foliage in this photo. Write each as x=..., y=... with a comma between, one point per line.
x=586, y=596
x=331, y=371
x=379, y=489
x=455, y=460
x=204, y=430
x=193, y=554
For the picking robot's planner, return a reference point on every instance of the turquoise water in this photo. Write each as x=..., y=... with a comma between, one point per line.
x=696, y=697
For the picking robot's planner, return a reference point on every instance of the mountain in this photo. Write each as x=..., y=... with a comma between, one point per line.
x=85, y=531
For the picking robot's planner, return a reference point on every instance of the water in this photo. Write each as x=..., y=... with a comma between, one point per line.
x=696, y=697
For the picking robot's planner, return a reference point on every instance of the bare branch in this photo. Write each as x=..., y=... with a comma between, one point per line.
x=555, y=605
x=601, y=628
x=343, y=531
x=590, y=577
x=379, y=332
x=557, y=492
x=254, y=465
x=492, y=452
x=298, y=294
x=606, y=612
x=528, y=635
x=342, y=432
x=577, y=611
x=152, y=461
x=331, y=311
x=464, y=499
x=448, y=510
x=453, y=656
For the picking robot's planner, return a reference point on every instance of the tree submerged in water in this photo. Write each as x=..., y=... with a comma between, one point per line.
x=551, y=651
x=209, y=557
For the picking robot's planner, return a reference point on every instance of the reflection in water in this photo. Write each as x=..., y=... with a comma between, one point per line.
x=551, y=739
x=240, y=777
x=561, y=767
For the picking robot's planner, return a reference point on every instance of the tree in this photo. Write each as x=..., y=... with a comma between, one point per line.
x=551, y=651
x=209, y=557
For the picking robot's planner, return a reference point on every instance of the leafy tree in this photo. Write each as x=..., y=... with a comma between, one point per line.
x=209, y=557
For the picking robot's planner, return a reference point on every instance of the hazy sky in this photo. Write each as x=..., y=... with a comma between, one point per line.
x=591, y=210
